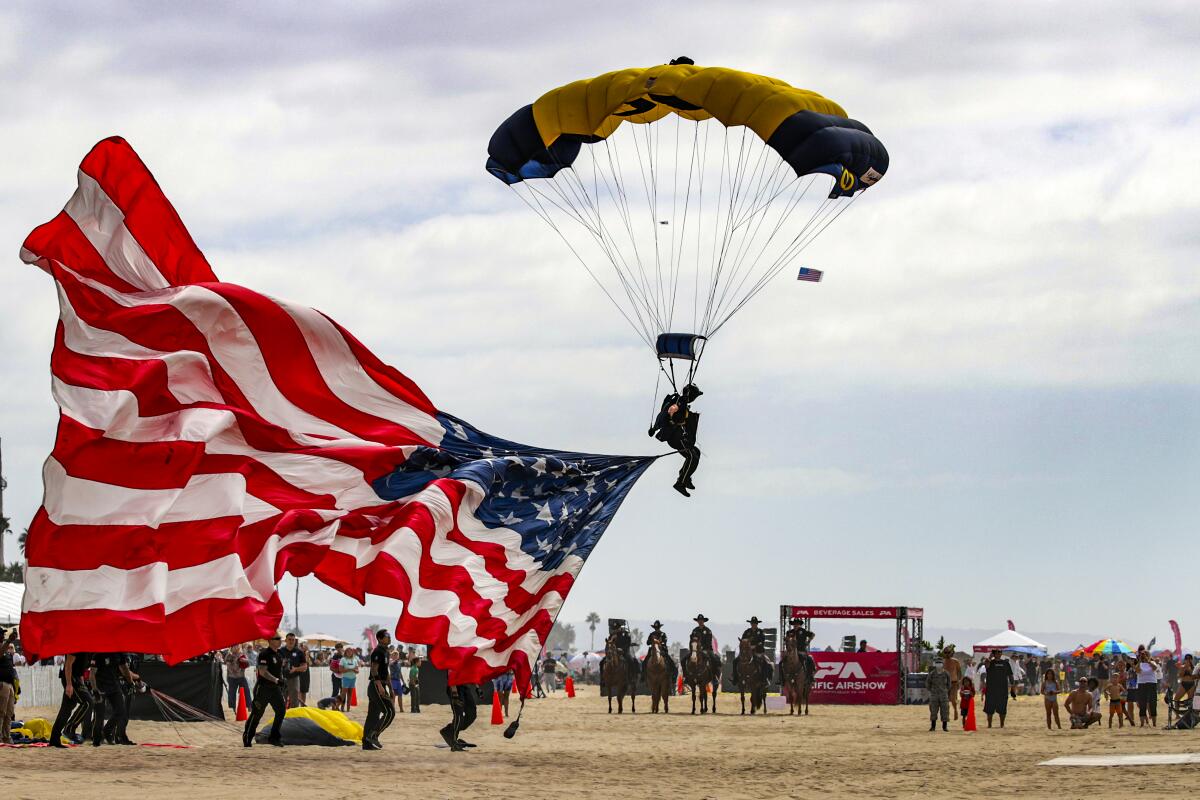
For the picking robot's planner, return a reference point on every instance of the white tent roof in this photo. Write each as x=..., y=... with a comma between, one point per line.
x=584, y=659
x=10, y=602
x=1007, y=640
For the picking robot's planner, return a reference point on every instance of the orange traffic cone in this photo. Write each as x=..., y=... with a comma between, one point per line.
x=969, y=719
x=570, y=686
x=241, y=715
x=497, y=711
x=353, y=697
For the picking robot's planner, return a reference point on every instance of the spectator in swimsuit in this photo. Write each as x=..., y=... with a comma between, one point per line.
x=954, y=670
x=1080, y=706
x=1115, y=693
x=1187, y=678
x=1050, y=694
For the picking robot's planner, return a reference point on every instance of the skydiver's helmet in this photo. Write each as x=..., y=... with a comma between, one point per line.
x=690, y=393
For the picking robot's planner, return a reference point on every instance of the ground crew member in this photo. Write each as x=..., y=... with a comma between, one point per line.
x=268, y=691
x=381, y=701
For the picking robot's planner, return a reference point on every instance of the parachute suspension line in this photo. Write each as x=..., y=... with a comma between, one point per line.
x=677, y=256
x=799, y=190
x=606, y=243
x=654, y=400
x=614, y=160
x=719, y=253
x=787, y=258
x=640, y=330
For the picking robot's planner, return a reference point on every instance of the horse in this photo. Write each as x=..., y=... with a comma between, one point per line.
x=751, y=677
x=619, y=679
x=657, y=672
x=698, y=673
x=797, y=669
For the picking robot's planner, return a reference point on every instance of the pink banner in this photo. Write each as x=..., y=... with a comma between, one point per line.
x=1178, y=639
x=856, y=678
x=845, y=612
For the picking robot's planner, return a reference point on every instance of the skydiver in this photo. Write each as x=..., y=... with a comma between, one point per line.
x=676, y=425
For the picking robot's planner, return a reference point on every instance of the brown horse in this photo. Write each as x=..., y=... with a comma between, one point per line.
x=751, y=674
x=657, y=672
x=619, y=679
x=797, y=669
x=698, y=674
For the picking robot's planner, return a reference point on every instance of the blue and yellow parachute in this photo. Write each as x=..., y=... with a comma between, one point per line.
x=683, y=190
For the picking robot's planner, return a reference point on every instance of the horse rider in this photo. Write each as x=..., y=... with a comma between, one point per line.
x=624, y=642
x=676, y=425
x=702, y=634
x=802, y=637
x=758, y=640
x=658, y=637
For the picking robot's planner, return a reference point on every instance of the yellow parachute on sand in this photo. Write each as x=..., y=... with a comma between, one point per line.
x=315, y=726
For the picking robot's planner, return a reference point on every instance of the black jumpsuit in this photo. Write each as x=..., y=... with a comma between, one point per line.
x=268, y=691
x=108, y=684
x=76, y=706
x=462, y=703
x=381, y=710
x=679, y=432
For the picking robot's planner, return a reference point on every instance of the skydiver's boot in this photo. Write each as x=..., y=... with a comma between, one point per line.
x=681, y=487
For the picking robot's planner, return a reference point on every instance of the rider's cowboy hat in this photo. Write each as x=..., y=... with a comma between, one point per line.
x=794, y=622
x=700, y=618
x=754, y=620
x=656, y=624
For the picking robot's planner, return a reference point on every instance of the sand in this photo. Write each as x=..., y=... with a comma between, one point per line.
x=572, y=748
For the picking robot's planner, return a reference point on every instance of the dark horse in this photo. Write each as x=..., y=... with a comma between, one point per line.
x=657, y=672
x=698, y=673
x=798, y=670
x=619, y=679
x=751, y=673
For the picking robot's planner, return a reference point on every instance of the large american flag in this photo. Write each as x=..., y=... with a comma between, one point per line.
x=212, y=439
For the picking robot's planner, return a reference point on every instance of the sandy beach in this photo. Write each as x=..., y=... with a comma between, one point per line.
x=575, y=749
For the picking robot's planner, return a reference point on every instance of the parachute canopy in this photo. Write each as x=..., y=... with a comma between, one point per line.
x=683, y=188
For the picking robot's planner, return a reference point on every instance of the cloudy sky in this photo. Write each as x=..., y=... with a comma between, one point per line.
x=989, y=408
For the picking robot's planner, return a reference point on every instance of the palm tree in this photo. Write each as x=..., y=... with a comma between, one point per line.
x=21, y=540
x=593, y=619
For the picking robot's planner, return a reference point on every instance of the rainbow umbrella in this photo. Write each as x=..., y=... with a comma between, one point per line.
x=1105, y=647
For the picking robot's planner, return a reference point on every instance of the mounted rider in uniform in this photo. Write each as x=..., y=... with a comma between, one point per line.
x=624, y=642
x=758, y=640
x=658, y=637
x=802, y=637
x=702, y=634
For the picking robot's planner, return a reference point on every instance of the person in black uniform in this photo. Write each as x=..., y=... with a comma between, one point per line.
x=658, y=637
x=705, y=636
x=676, y=425
x=624, y=642
x=107, y=672
x=803, y=637
x=130, y=688
x=76, y=701
x=758, y=640
x=462, y=704
x=381, y=703
x=268, y=690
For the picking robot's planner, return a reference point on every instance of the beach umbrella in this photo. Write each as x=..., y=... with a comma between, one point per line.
x=1105, y=647
x=323, y=639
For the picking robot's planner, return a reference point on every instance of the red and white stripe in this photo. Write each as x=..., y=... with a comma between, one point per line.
x=212, y=439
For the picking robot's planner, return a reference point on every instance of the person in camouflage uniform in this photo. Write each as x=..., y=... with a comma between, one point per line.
x=938, y=685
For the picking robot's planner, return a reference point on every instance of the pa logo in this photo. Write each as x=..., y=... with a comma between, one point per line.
x=847, y=671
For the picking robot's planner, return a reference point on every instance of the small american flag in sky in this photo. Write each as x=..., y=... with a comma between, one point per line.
x=807, y=274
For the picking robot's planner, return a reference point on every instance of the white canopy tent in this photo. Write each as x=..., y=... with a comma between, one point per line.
x=585, y=659
x=1010, y=641
x=10, y=602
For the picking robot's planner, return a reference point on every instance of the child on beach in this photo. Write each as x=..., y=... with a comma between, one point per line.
x=1050, y=695
x=966, y=696
x=1116, y=699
